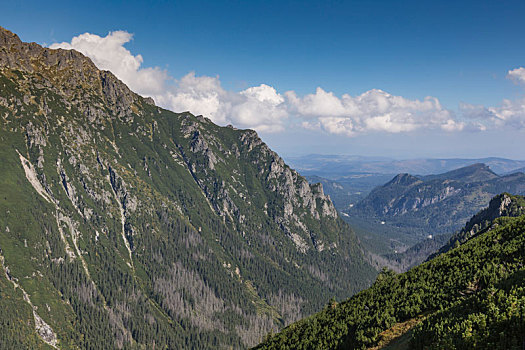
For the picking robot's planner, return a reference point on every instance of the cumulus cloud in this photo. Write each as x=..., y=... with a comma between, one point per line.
x=262, y=104
x=260, y=107
x=263, y=108
x=199, y=95
x=518, y=75
x=374, y=110
x=510, y=113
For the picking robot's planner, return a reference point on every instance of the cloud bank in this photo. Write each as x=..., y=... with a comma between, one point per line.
x=374, y=110
x=264, y=109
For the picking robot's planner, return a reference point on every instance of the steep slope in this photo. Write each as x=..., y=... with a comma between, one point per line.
x=346, y=191
x=436, y=204
x=123, y=225
x=503, y=205
x=472, y=296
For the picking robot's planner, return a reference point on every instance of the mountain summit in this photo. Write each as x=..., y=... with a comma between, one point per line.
x=124, y=225
x=472, y=173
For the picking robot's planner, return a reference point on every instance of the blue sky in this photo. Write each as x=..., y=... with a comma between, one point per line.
x=401, y=51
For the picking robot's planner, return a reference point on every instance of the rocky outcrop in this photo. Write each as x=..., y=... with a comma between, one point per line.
x=71, y=74
x=503, y=205
x=301, y=199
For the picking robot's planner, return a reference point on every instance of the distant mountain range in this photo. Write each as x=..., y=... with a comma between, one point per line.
x=436, y=204
x=410, y=217
x=520, y=170
x=337, y=166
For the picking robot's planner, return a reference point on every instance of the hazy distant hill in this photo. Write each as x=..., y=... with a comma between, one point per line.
x=520, y=170
x=335, y=166
x=437, y=203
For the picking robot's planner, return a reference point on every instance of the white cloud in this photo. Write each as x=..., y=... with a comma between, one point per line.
x=260, y=107
x=517, y=75
x=374, y=110
x=320, y=104
x=264, y=109
x=199, y=95
x=510, y=113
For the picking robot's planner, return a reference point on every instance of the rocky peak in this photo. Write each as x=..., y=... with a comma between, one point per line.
x=471, y=173
x=403, y=180
x=31, y=57
x=7, y=37
x=71, y=73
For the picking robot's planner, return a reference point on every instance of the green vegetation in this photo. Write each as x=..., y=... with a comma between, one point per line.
x=128, y=226
x=472, y=296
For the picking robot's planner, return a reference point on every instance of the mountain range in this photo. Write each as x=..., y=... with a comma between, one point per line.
x=125, y=225
x=436, y=204
x=336, y=166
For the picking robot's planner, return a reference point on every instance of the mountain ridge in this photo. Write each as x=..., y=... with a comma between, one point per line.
x=124, y=225
x=436, y=204
x=503, y=205
x=471, y=173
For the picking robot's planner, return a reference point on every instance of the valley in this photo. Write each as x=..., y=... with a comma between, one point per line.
x=126, y=225
x=406, y=219
x=463, y=298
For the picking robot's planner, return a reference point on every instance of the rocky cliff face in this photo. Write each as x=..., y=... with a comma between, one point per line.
x=130, y=226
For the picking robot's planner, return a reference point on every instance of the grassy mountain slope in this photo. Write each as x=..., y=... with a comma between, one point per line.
x=469, y=297
x=502, y=205
x=124, y=225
